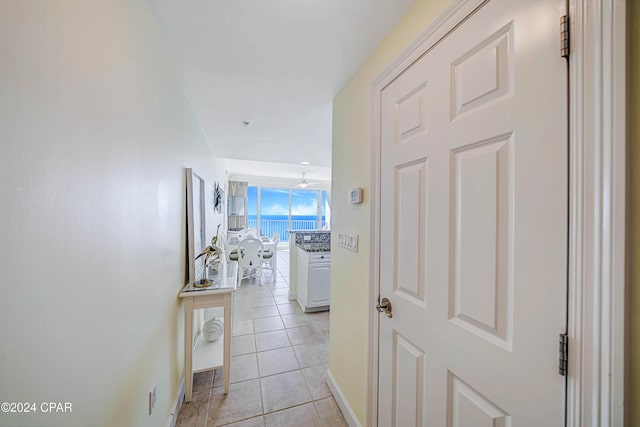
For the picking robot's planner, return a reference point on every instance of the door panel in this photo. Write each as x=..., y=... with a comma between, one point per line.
x=409, y=366
x=484, y=73
x=468, y=408
x=473, y=225
x=482, y=207
x=410, y=254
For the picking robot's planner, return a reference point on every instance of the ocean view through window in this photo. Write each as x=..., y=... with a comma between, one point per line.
x=281, y=210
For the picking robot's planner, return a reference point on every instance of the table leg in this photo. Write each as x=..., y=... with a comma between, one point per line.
x=188, y=348
x=227, y=341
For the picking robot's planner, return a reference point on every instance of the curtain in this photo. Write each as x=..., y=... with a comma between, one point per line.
x=327, y=214
x=238, y=189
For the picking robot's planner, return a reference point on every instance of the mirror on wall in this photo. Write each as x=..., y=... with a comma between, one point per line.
x=195, y=223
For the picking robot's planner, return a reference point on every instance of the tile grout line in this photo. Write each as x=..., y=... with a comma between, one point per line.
x=313, y=401
x=206, y=423
x=249, y=292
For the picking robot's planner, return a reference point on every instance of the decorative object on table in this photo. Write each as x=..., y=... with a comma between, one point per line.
x=214, y=239
x=218, y=198
x=213, y=255
x=212, y=329
x=214, y=269
x=213, y=264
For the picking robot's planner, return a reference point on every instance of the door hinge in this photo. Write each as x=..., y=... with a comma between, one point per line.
x=563, y=355
x=564, y=36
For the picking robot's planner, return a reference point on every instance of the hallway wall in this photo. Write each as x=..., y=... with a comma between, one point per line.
x=95, y=132
x=351, y=167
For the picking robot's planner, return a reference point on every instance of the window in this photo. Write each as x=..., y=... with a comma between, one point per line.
x=278, y=209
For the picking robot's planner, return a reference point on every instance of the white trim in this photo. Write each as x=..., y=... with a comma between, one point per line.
x=597, y=213
x=453, y=15
x=595, y=393
x=177, y=405
x=347, y=412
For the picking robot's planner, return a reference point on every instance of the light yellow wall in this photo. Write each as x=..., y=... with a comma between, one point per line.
x=351, y=161
x=95, y=130
x=633, y=400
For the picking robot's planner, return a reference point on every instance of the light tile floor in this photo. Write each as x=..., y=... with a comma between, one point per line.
x=279, y=360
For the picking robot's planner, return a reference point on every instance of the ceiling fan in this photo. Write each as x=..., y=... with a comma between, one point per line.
x=303, y=182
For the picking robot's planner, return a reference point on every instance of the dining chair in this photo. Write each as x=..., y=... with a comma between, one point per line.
x=232, y=254
x=270, y=254
x=250, y=258
x=247, y=232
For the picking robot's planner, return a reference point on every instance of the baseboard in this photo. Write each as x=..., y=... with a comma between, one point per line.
x=177, y=405
x=347, y=412
x=293, y=297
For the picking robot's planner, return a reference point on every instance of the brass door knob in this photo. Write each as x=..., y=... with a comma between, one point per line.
x=384, y=306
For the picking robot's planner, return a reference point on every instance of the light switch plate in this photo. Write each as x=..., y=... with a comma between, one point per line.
x=348, y=241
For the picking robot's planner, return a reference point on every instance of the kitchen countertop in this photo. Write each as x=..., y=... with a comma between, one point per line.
x=315, y=247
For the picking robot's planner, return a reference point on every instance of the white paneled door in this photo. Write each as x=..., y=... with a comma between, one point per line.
x=473, y=232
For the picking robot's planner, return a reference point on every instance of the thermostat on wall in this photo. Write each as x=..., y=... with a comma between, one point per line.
x=355, y=195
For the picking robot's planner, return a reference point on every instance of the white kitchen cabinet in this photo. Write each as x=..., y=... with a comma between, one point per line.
x=313, y=278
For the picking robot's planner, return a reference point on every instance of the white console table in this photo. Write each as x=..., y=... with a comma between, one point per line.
x=209, y=355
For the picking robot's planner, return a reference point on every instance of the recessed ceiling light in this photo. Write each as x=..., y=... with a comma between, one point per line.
x=305, y=163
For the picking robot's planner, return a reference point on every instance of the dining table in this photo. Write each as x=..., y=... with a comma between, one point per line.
x=233, y=242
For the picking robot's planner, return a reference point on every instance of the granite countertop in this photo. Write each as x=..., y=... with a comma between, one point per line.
x=315, y=247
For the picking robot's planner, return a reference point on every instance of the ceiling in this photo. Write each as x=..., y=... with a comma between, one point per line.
x=276, y=64
x=280, y=175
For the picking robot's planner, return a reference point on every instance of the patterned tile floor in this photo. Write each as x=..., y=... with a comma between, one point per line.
x=279, y=358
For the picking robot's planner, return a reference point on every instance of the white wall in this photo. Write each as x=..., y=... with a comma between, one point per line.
x=95, y=132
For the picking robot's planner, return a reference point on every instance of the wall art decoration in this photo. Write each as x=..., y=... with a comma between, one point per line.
x=218, y=198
